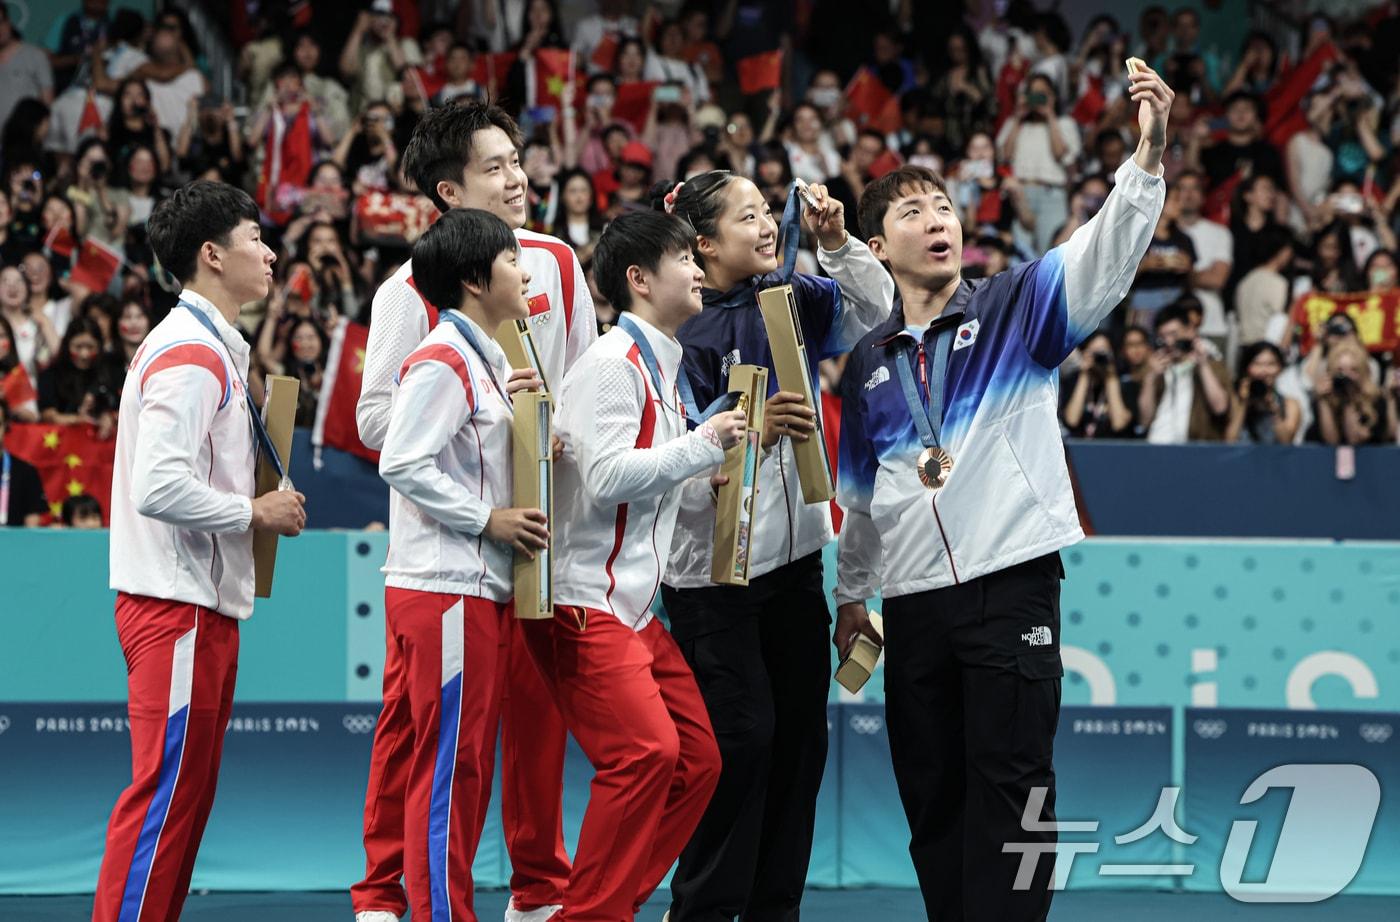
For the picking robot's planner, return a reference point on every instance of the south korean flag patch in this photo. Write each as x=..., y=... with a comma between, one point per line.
x=966, y=335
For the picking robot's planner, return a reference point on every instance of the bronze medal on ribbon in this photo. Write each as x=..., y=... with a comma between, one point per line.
x=935, y=465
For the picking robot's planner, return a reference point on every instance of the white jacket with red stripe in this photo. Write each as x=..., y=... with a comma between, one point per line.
x=561, y=319
x=626, y=450
x=447, y=456
x=183, y=478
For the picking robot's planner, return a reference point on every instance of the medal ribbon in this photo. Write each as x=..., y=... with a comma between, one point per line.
x=264, y=440
x=693, y=415
x=928, y=417
x=465, y=329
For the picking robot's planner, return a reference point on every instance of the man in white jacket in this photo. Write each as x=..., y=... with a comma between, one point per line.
x=183, y=516
x=626, y=692
x=468, y=156
x=452, y=530
x=957, y=499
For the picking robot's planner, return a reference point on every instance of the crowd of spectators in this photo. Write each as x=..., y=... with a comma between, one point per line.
x=1282, y=171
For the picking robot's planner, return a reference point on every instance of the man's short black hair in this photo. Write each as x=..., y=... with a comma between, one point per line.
x=638, y=238
x=194, y=214
x=890, y=188
x=441, y=146
x=1169, y=313
x=1261, y=108
x=460, y=247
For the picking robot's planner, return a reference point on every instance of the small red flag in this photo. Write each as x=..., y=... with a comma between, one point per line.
x=491, y=71
x=97, y=265
x=18, y=391
x=300, y=283
x=340, y=392
x=887, y=162
x=633, y=103
x=605, y=52
x=870, y=104
x=759, y=72
x=60, y=241
x=92, y=118
x=1285, y=99
x=548, y=73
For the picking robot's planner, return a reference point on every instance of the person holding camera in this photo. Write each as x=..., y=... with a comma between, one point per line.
x=1186, y=393
x=1041, y=145
x=368, y=154
x=1349, y=408
x=374, y=56
x=133, y=124
x=82, y=384
x=1261, y=413
x=1100, y=403
x=94, y=207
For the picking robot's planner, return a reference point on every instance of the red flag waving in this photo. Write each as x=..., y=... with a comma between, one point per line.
x=605, y=52
x=759, y=72
x=18, y=391
x=1285, y=98
x=91, y=120
x=96, y=266
x=71, y=460
x=491, y=71
x=287, y=162
x=870, y=104
x=547, y=73
x=633, y=103
x=60, y=241
x=340, y=392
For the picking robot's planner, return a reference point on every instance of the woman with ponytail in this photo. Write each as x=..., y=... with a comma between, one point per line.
x=759, y=653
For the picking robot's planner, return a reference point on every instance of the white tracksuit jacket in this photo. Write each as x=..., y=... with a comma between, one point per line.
x=184, y=476
x=447, y=456
x=1008, y=498
x=617, y=486
x=561, y=320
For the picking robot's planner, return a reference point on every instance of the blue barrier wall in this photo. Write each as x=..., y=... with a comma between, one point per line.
x=1127, y=488
x=1149, y=629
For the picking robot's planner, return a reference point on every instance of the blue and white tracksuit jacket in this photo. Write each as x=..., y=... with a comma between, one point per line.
x=1008, y=498
x=834, y=312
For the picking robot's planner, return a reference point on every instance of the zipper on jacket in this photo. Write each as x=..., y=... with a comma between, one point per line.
x=944, y=535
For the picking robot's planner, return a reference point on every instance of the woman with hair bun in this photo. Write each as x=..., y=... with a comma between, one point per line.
x=759, y=653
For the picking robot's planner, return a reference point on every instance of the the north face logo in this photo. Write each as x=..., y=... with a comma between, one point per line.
x=879, y=376
x=1037, y=637
x=730, y=359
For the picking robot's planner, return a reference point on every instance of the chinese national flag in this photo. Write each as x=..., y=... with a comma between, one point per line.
x=633, y=103
x=340, y=392
x=605, y=52
x=1287, y=116
x=870, y=104
x=287, y=161
x=1091, y=102
x=60, y=242
x=18, y=391
x=491, y=71
x=91, y=120
x=96, y=266
x=71, y=460
x=759, y=72
x=887, y=162
x=548, y=72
